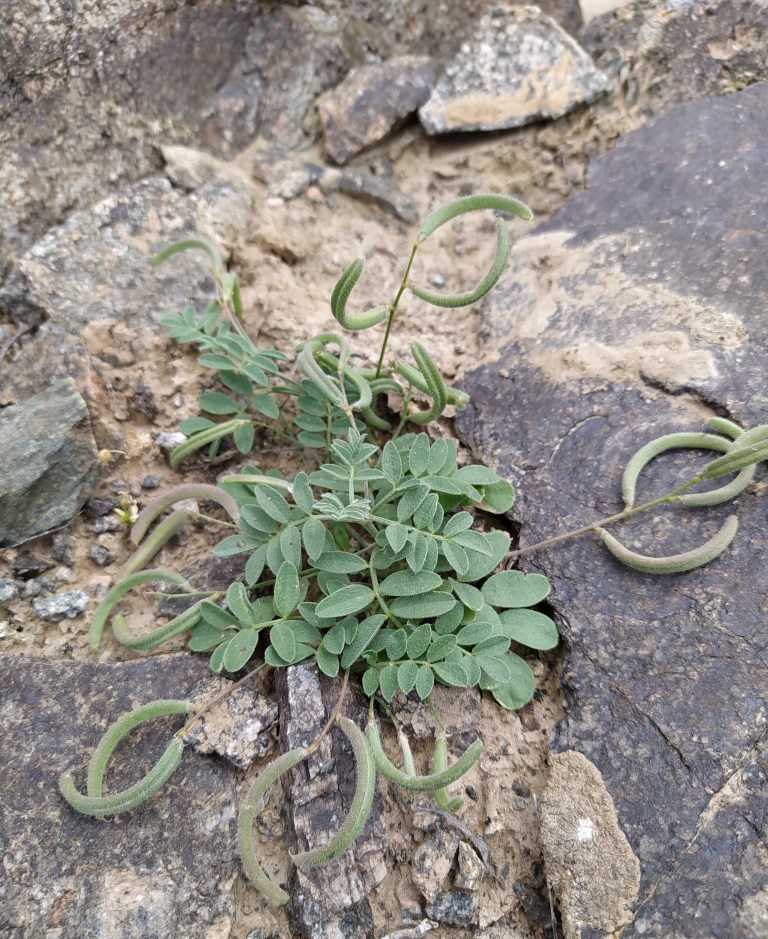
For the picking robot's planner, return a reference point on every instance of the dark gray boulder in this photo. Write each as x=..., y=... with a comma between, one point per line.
x=639, y=309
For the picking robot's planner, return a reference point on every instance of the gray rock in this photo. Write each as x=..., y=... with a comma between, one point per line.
x=26, y=564
x=8, y=590
x=379, y=191
x=164, y=869
x=471, y=871
x=48, y=463
x=150, y=482
x=65, y=605
x=100, y=555
x=453, y=908
x=169, y=439
x=371, y=101
x=640, y=309
x=519, y=66
x=590, y=865
x=61, y=549
x=432, y=863
x=237, y=727
x=332, y=900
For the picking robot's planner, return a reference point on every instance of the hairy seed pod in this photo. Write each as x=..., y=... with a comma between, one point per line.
x=674, y=563
x=121, y=728
x=245, y=819
x=453, y=395
x=340, y=295
x=106, y=606
x=428, y=783
x=196, y=244
x=722, y=425
x=472, y=204
x=308, y=366
x=503, y=244
x=175, y=627
x=154, y=541
x=700, y=441
x=405, y=747
x=361, y=803
x=752, y=437
x=737, y=459
x=128, y=798
x=439, y=765
x=187, y=491
x=209, y=435
x=435, y=386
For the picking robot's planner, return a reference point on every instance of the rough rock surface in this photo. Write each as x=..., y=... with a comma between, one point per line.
x=519, y=66
x=48, y=462
x=330, y=901
x=640, y=309
x=164, y=869
x=590, y=865
x=371, y=101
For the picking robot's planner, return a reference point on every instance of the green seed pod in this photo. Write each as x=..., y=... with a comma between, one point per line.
x=427, y=783
x=106, y=606
x=439, y=765
x=153, y=542
x=197, y=441
x=121, y=728
x=472, y=204
x=453, y=395
x=736, y=459
x=751, y=437
x=361, y=803
x=405, y=748
x=503, y=244
x=196, y=244
x=187, y=491
x=258, y=790
x=178, y=625
x=435, y=386
x=128, y=798
x=340, y=295
x=701, y=441
x=674, y=563
x=722, y=425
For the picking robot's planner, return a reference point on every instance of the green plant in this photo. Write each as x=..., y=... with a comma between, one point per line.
x=371, y=564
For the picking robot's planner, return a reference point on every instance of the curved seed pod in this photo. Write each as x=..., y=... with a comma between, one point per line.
x=340, y=295
x=372, y=419
x=435, y=386
x=167, y=528
x=472, y=204
x=751, y=437
x=254, y=479
x=361, y=803
x=722, y=425
x=178, y=625
x=408, y=764
x=258, y=790
x=674, y=563
x=106, y=606
x=736, y=459
x=439, y=765
x=196, y=244
x=503, y=244
x=121, y=728
x=308, y=366
x=453, y=395
x=187, y=491
x=196, y=441
x=427, y=783
x=128, y=798
x=701, y=441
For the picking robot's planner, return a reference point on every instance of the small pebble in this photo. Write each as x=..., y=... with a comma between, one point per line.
x=64, y=575
x=38, y=586
x=520, y=790
x=169, y=439
x=8, y=590
x=177, y=400
x=99, y=555
x=105, y=523
x=66, y=605
x=518, y=804
x=150, y=482
x=26, y=564
x=61, y=550
x=437, y=280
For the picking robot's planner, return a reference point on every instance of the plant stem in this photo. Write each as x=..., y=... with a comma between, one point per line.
x=393, y=308
x=332, y=719
x=596, y=526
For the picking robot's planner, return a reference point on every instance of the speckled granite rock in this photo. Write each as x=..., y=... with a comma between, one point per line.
x=164, y=869
x=518, y=66
x=48, y=463
x=639, y=309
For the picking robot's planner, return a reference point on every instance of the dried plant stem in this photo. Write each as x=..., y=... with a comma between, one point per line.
x=332, y=719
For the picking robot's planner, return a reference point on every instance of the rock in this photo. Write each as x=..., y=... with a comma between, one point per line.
x=371, y=101
x=26, y=564
x=8, y=590
x=331, y=900
x=48, y=463
x=150, y=482
x=164, y=869
x=471, y=871
x=459, y=710
x=379, y=191
x=453, y=908
x=519, y=66
x=170, y=439
x=65, y=605
x=61, y=549
x=432, y=863
x=209, y=573
x=590, y=865
x=413, y=932
x=237, y=728
x=639, y=309
x=100, y=555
